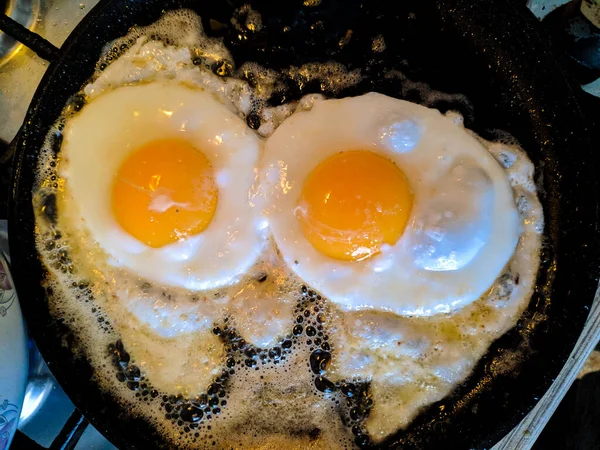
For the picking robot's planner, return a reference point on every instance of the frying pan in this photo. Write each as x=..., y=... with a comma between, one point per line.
x=493, y=54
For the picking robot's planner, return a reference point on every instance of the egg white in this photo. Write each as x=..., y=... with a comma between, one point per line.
x=109, y=128
x=463, y=228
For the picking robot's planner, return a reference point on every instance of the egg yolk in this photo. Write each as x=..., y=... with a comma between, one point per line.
x=164, y=192
x=352, y=203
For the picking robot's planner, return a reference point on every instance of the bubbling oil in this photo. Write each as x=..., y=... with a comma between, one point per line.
x=206, y=375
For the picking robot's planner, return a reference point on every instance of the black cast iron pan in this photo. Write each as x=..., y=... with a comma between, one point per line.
x=492, y=53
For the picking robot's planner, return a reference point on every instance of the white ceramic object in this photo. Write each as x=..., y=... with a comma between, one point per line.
x=13, y=356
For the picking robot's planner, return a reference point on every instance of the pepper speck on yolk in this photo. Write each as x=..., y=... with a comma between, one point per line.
x=164, y=192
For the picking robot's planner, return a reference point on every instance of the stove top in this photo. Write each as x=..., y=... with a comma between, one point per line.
x=48, y=417
x=20, y=68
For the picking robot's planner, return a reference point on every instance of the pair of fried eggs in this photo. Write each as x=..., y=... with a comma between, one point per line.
x=376, y=202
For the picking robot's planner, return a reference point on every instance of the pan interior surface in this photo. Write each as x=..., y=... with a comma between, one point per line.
x=448, y=46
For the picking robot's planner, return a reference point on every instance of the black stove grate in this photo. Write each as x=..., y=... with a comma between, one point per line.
x=43, y=48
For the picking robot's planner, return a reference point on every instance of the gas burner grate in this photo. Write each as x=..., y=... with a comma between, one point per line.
x=17, y=24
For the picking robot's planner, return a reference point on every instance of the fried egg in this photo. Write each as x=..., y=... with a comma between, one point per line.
x=158, y=175
x=383, y=204
x=389, y=209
